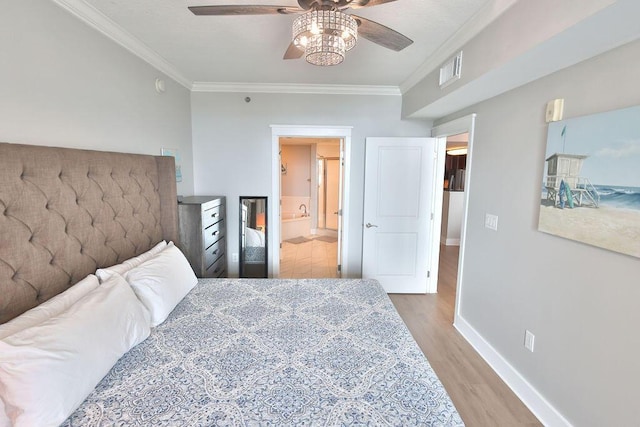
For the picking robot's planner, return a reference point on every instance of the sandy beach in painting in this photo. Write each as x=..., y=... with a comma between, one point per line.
x=610, y=228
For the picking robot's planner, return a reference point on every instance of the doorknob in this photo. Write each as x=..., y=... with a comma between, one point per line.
x=369, y=225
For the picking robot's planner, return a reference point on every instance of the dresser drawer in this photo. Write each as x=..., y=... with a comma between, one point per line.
x=215, y=251
x=214, y=233
x=218, y=268
x=213, y=215
x=202, y=234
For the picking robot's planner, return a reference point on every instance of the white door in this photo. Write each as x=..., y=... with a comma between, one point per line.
x=398, y=206
x=333, y=193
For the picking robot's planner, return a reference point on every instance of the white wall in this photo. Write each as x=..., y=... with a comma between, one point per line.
x=232, y=145
x=452, y=214
x=64, y=84
x=581, y=302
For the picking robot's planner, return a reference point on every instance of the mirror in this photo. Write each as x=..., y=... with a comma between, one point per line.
x=253, y=237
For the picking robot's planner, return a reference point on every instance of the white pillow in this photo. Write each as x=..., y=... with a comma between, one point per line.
x=161, y=282
x=4, y=418
x=104, y=273
x=47, y=371
x=255, y=238
x=50, y=308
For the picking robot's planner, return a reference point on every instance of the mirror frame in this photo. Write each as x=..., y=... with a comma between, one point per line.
x=241, y=267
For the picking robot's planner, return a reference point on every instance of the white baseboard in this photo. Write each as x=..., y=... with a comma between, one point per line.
x=541, y=408
x=449, y=242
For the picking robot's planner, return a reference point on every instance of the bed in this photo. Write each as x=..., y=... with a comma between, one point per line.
x=255, y=245
x=83, y=258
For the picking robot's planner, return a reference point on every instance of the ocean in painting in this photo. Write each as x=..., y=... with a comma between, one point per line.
x=617, y=196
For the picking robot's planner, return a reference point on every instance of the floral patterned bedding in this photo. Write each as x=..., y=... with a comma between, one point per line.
x=256, y=352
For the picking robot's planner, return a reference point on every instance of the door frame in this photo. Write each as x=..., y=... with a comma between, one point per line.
x=455, y=127
x=278, y=131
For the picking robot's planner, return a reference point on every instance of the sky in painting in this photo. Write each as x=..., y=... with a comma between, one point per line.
x=610, y=139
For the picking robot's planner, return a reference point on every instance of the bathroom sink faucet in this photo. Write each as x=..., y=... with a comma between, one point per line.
x=305, y=209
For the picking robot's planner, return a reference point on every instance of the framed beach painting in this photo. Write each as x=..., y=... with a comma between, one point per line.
x=591, y=183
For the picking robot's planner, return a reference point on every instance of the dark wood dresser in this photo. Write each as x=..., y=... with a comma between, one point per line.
x=203, y=232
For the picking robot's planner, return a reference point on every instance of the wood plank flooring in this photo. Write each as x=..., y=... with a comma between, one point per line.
x=481, y=397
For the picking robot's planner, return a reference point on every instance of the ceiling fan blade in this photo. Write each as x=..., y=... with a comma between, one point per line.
x=243, y=10
x=384, y=36
x=358, y=4
x=292, y=52
x=306, y=4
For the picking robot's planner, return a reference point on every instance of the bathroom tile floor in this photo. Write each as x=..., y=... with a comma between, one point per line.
x=313, y=259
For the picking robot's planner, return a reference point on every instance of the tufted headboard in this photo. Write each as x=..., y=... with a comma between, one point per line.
x=65, y=213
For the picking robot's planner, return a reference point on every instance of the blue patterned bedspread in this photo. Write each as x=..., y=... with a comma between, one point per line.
x=243, y=352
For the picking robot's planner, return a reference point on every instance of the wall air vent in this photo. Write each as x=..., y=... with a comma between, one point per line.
x=451, y=70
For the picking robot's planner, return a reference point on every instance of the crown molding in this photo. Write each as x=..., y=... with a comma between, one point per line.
x=317, y=89
x=95, y=19
x=478, y=22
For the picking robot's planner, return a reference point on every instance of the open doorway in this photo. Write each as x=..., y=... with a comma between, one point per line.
x=310, y=202
x=457, y=186
x=454, y=187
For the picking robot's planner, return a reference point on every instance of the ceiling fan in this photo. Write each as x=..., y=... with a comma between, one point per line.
x=323, y=32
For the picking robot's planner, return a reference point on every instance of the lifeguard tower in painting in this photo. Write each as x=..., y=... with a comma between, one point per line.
x=566, y=167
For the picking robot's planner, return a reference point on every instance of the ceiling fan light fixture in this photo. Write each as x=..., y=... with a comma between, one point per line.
x=325, y=49
x=325, y=36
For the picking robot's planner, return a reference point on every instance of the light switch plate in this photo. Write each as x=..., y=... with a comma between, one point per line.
x=491, y=222
x=529, y=340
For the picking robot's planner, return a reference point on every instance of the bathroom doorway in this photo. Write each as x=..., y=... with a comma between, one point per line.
x=310, y=195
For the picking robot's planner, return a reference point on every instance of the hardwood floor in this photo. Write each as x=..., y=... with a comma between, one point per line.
x=481, y=397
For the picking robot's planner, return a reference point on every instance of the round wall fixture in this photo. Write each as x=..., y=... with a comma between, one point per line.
x=160, y=87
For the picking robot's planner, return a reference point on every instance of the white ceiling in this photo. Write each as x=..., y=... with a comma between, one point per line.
x=249, y=49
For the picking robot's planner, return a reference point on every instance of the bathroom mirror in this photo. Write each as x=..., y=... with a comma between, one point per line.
x=253, y=237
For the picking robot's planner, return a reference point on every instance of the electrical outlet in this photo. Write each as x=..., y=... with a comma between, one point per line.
x=491, y=222
x=234, y=257
x=529, y=340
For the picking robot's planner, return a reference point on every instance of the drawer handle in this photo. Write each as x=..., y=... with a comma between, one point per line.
x=215, y=214
x=215, y=252
x=215, y=232
x=216, y=270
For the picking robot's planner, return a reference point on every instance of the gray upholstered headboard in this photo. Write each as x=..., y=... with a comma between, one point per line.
x=65, y=212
